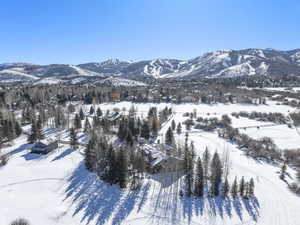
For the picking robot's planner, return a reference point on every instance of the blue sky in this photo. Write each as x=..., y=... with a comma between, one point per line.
x=78, y=31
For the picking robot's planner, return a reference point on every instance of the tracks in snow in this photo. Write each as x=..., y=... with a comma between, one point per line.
x=30, y=181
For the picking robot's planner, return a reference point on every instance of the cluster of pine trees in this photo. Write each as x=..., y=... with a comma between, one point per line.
x=209, y=175
x=164, y=114
x=9, y=126
x=36, y=133
x=133, y=127
x=114, y=164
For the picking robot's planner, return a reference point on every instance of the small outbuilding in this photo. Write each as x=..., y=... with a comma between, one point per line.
x=44, y=146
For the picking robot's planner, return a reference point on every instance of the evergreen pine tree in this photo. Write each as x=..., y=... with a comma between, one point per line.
x=92, y=110
x=73, y=138
x=81, y=114
x=77, y=122
x=173, y=125
x=131, y=126
x=138, y=126
x=242, y=187
x=179, y=128
x=283, y=171
x=206, y=162
x=199, y=179
x=39, y=129
x=129, y=138
x=96, y=122
x=122, y=131
x=33, y=134
x=90, y=155
x=169, y=140
x=87, y=125
x=99, y=112
x=251, y=187
x=190, y=175
x=155, y=127
x=140, y=163
x=188, y=168
x=18, y=129
x=246, y=192
x=112, y=166
x=234, y=188
x=225, y=189
x=122, y=172
x=145, y=131
x=216, y=174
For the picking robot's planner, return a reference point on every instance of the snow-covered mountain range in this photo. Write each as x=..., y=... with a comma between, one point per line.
x=226, y=63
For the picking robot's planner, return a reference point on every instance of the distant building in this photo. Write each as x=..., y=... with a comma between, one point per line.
x=75, y=99
x=44, y=146
x=188, y=98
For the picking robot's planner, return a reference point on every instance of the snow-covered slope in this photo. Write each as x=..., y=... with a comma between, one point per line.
x=48, y=80
x=15, y=74
x=158, y=67
x=247, y=62
x=13, y=65
x=109, y=67
x=117, y=81
x=62, y=70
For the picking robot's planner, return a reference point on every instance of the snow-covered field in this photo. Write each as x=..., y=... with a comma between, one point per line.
x=202, y=109
x=57, y=189
x=283, y=136
x=292, y=90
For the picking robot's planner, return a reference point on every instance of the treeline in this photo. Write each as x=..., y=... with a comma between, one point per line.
x=209, y=176
x=203, y=91
x=296, y=118
x=133, y=127
x=9, y=126
x=274, y=117
x=263, y=148
x=207, y=124
x=292, y=156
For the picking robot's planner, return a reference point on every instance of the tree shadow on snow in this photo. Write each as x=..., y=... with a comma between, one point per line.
x=99, y=201
x=64, y=154
x=50, y=131
x=166, y=179
x=20, y=149
x=32, y=156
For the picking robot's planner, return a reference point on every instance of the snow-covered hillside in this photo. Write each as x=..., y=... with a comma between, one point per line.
x=117, y=82
x=48, y=80
x=15, y=74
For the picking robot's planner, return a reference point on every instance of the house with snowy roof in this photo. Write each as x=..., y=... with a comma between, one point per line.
x=162, y=161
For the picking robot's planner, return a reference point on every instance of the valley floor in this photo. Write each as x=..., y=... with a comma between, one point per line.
x=57, y=189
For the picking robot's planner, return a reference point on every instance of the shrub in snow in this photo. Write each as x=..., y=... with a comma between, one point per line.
x=294, y=188
x=20, y=222
x=3, y=160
